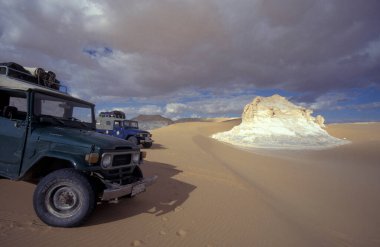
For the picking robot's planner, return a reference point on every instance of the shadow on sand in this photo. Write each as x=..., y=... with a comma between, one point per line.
x=157, y=146
x=162, y=197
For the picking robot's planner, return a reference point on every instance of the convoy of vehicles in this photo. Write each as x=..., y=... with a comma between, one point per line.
x=49, y=138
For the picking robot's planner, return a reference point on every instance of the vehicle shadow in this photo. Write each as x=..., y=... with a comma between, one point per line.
x=162, y=197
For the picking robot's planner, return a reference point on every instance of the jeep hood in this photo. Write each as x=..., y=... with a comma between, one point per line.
x=81, y=138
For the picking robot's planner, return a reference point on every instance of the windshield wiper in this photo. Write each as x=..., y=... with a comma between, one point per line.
x=78, y=121
x=48, y=118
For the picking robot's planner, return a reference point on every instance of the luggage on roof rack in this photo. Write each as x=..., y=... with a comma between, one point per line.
x=17, y=71
x=15, y=66
x=32, y=75
x=45, y=78
x=113, y=114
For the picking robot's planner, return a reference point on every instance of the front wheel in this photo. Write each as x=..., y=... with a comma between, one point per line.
x=133, y=139
x=64, y=198
x=147, y=144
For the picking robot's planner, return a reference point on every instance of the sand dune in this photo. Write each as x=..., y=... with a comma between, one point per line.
x=213, y=194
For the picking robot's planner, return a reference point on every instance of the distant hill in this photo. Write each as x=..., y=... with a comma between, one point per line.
x=152, y=118
x=185, y=120
x=150, y=122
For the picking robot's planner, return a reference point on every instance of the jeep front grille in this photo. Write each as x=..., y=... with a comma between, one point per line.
x=122, y=167
x=120, y=176
x=121, y=160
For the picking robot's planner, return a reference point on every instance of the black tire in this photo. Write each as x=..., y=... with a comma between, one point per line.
x=147, y=145
x=133, y=139
x=64, y=198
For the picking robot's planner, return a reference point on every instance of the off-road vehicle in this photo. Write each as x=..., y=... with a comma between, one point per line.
x=49, y=138
x=114, y=123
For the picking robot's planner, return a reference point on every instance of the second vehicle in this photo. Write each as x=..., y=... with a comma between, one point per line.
x=114, y=123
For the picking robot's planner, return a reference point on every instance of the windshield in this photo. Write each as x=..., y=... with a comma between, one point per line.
x=131, y=124
x=62, y=111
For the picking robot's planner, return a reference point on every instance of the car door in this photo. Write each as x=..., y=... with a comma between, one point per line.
x=118, y=129
x=13, y=130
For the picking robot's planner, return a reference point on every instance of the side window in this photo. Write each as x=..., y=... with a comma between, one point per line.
x=13, y=105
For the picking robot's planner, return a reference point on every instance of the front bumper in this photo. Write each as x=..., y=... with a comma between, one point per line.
x=114, y=191
x=145, y=140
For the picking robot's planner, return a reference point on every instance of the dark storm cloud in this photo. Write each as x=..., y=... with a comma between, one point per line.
x=159, y=47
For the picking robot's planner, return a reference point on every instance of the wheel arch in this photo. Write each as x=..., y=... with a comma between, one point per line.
x=44, y=166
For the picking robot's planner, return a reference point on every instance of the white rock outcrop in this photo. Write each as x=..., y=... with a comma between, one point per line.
x=274, y=122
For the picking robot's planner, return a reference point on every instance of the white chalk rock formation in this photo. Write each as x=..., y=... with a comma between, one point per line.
x=274, y=122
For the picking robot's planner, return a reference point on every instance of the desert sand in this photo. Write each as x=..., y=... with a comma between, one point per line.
x=214, y=194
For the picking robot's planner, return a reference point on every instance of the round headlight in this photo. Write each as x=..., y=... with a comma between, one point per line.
x=106, y=161
x=136, y=158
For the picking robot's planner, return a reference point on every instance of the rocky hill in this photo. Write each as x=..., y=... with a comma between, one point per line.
x=274, y=122
x=150, y=122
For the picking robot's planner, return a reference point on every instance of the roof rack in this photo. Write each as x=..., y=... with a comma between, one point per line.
x=29, y=78
x=113, y=114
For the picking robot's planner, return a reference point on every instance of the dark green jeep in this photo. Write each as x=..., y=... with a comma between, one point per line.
x=48, y=138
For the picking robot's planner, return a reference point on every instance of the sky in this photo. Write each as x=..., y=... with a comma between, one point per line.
x=203, y=58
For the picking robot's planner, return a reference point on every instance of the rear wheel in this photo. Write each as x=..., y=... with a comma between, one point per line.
x=64, y=198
